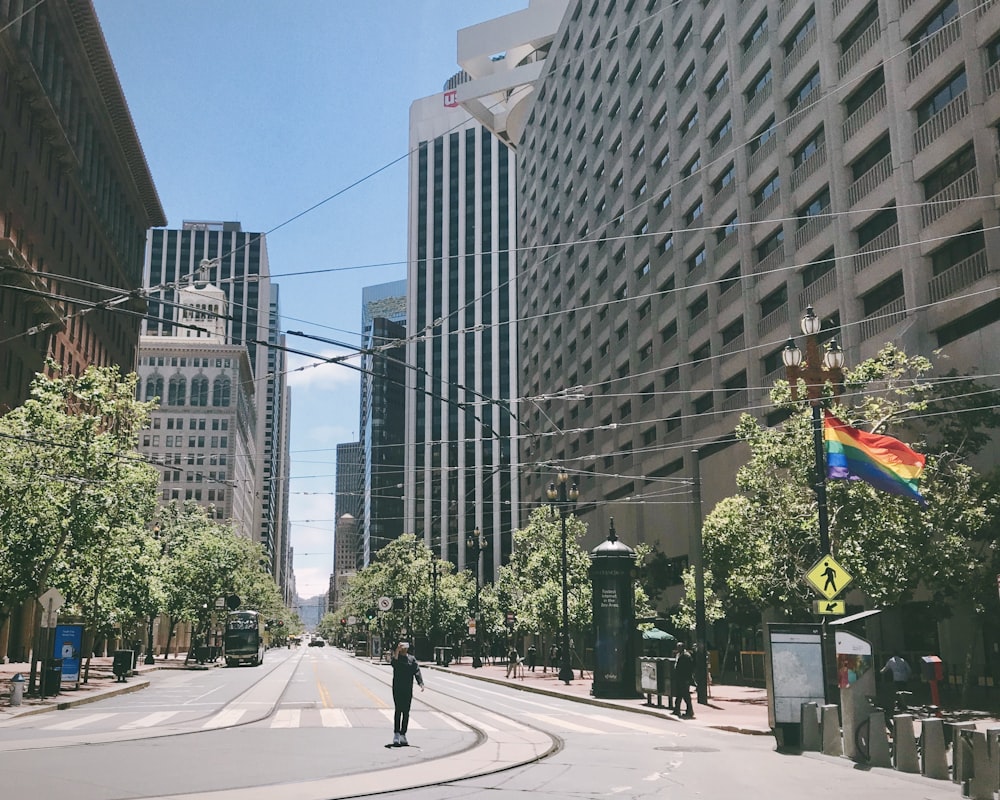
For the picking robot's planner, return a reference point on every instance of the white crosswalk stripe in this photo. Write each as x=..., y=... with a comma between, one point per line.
x=287, y=718
x=388, y=714
x=563, y=723
x=148, y=721
x=79, y=722
x=629, y=725
x=475, y=723
x=225, y=718
x=334, y=718
x=450, y=721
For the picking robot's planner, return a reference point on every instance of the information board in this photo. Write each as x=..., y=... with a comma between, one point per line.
x=796, y=669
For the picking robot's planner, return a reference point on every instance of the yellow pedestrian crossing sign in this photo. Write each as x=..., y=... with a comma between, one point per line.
x=830, y=607
x=828, y=578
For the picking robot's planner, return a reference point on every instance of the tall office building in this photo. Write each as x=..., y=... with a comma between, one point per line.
x=224, y=255
x=348, y=503
x=76, y=200
x=461, y=467
x=710, y=169
x=383, y=415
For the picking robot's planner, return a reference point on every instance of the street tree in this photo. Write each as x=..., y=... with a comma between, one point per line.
x=759, y=542
x=74, y=493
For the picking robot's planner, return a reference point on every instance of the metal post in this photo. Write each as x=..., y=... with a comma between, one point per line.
x=565, y=667
x=820, y=486
x=149, y=642
x=701, y=659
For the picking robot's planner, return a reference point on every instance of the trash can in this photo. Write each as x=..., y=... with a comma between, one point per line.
x=122, y=665
x=52, y=680
x=16, y=689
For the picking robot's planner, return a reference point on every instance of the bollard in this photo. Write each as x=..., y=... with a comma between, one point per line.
x=933, y=759
x=983, y=782
x=961, y=752
x=906, y=745
x=878, y=741
x=809, y=718
x=16, y=689
x=833, y=745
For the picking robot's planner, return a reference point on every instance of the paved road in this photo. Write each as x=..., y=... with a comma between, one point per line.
x=313, y=724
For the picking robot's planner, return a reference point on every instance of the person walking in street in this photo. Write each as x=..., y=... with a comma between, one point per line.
x=405, y=670
x=683, y=678
x=532, y=657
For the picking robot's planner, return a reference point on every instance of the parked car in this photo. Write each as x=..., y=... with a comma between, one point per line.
x=317, y=642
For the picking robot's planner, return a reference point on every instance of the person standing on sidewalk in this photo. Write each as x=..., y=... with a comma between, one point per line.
x=532, y=657
x=405, y=670
x=683, y=677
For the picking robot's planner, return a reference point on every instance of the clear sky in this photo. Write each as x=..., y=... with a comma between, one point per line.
x=257, y=111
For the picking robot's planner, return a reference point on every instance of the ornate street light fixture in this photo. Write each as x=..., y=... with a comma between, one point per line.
x=477, y=543
x=817, y=371
x=564, y=500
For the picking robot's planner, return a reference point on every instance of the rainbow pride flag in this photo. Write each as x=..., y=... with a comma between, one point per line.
x=882, y=461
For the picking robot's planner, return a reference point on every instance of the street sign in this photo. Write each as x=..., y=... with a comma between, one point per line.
x=828, y=578
x=384, y=603
x=51, y=601
x=832, y=607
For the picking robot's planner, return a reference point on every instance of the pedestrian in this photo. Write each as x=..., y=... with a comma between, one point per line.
x=683, y=678
x=554, y=655
x=512, y=658
x=532, y=657
x=405, y=670
x=899, y=670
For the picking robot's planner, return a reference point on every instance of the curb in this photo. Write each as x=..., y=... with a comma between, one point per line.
x=592, y=701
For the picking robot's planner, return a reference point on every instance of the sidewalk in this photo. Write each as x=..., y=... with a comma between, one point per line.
x=102, y=683
x=739, y=709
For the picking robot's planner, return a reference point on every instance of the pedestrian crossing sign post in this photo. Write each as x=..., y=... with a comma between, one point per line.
x=829, y=607
x=828, y=578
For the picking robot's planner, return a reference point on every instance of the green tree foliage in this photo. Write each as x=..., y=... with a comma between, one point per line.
x=75, y=497
x=760, y=542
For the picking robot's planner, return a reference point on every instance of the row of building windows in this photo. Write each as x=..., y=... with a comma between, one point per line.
x=177, y=392
x=194, y=423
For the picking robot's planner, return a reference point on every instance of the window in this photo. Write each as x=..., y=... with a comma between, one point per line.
x=684, y=38
x=870, y=157
x=727, y=229
x=772, y=243
x=668, y=332
x=865, y=20
x=199, y=391
x=800, y=32
x=715, y=36
x=665, y=201
x=220, y=391
x=154, y=388
x=774, y=301
x=876, y=225
x=772, y=185
x=694, y=212
x=691, y=167
x=812, y=144
x=861, y=95
x=724, y=129
x=804, y=90
x=690, y=122
x=703, y=404
x=879, y=297
x=818, y=268
x=949, y=171
x=702, y=353
x=732, y=331
x=761, y=83
x=699, y=306
x=958, y=249
x=667, y=244
x=943, y=16
x=764, y=135
x=696, y=260
x=687, y=80
x=177, y=393
x=759, y=30
x=814, y=207
x=724, y=179
x=941, y=97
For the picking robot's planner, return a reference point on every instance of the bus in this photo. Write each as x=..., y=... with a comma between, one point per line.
x=244, y=640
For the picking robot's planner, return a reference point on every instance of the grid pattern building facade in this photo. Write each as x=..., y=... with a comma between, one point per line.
x=694, y=174
x=461, y=470
x=348, y=502
x=224, y=255
x=76, y=197
x=383, y=415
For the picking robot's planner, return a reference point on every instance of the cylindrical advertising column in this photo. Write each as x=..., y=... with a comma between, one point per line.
x=612, y=565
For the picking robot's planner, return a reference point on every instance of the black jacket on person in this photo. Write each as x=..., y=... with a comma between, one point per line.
x=405, y=670
x=684, y=670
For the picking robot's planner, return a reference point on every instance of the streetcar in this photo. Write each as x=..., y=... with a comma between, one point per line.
x=245, y=639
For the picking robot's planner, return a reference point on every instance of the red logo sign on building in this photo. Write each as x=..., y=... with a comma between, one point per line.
x=451, y=98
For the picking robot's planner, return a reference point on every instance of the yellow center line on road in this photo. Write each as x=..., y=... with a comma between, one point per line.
x=379, y=702
x=324, y=693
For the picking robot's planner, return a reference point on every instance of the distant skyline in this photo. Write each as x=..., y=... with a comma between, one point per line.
x=249, y=112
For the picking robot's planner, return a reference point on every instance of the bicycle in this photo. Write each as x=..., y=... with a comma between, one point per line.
x=862, y=735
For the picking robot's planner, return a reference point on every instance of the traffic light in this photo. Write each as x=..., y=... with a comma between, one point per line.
x=343, y=620
x=371, y=613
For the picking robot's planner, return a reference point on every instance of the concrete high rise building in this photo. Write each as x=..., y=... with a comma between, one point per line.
x=461, y=465
x=693, y=175
x=77, y=198
x=223, y=255
x=348, y=501
x=383, y=415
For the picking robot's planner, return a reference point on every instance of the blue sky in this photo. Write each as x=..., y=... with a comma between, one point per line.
x=256, y=111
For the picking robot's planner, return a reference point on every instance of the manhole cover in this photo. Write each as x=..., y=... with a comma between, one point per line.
x=680, y=748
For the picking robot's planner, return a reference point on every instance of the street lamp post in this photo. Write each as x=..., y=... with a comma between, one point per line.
x=564, y=501
x=816, y=373
x=476, y=542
